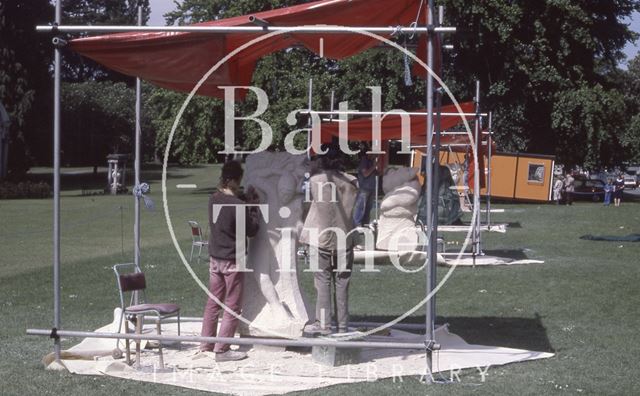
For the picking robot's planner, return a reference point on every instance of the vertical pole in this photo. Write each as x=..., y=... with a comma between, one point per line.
x=310, y=122
x=476, y=176
x=489, y=143
x=136, y=164
x=430, y=267
x=56, y=188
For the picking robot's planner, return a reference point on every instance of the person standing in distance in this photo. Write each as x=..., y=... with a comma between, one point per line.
x=368, y=170
x=569, y=188
x=618, y=189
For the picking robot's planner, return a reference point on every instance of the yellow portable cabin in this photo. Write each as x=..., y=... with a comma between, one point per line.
x=513, y=176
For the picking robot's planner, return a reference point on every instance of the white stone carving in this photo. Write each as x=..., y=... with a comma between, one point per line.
x=272, y=299
x=398, y=210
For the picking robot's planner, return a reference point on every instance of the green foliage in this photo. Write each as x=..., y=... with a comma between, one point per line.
x=532, y=56
x=193, y=11
x=98, y=12
x=198, y=136
x=630, y=136
x=99, y=119
x=590, y=115
x=25, y=86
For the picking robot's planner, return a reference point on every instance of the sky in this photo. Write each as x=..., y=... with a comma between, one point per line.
x=159, y=7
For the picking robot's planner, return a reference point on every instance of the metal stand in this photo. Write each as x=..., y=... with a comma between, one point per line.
x=56, y=190
x=477, y=247
x=136, y=166
x=431, y=225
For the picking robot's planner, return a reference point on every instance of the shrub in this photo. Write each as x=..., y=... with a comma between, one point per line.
x=28, y=189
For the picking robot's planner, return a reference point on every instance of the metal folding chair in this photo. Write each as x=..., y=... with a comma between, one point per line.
x=198, y=240
x=131, y=280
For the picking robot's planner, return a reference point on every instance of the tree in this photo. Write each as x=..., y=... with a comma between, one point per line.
x=99, y=119
x=25, y=84
x=594, y=117
x=629, y=84
x=193, y=11
x=545, y=68
x=532, y=55
x=197, y=138
x=98, y=12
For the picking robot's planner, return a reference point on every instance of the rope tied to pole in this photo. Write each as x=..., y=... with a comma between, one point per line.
x=140, y=191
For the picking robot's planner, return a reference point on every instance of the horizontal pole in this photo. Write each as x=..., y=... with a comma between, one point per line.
x=391, y=112
x=444, y=145
x=232, y=340
x=311, y=29
x=399, y=326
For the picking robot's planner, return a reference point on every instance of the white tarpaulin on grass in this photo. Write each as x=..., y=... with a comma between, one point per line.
x=278, y=371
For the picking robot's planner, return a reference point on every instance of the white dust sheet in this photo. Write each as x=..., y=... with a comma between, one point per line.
x=277, y=371
x=485, y=260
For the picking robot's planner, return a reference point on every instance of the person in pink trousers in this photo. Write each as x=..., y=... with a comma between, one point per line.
x=225, y=282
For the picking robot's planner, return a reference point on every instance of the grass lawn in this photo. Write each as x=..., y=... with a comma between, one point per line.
x=581, y=304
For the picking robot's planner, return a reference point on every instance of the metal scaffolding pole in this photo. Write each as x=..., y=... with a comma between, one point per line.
x=310, y=122
x=242, y=29
x=136, y=166
x=429, y=164
x=309, y=342
x=476, y=178
x=392, y=112
x=489, y=143
x=56, y=189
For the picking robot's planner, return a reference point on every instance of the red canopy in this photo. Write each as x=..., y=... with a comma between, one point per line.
x=178, y=61
x=391, y=127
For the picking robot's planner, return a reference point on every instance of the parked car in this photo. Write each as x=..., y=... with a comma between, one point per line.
x=587, y=189
x=630, y=179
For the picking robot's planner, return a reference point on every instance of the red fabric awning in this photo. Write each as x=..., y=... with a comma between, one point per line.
x=391, y=127
x=178, y=61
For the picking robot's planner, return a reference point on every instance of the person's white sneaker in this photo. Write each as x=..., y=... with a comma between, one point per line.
x=230, y=355
x=203, y=355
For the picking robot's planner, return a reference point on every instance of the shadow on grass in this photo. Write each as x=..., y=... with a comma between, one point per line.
x=521, y=333
x=516, y=254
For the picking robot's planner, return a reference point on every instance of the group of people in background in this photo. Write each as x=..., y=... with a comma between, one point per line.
x=614, y=188
x=564, y=189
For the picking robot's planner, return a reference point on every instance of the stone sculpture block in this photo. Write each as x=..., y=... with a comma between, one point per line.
x=272, y=300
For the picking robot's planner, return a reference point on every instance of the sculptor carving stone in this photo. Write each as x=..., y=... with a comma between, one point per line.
x=272, y=299
x=398, y=209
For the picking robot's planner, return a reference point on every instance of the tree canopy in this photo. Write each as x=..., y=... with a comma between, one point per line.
x=549, y=71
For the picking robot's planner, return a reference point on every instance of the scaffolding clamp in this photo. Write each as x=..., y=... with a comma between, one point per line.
x=431, y=345
x=54, y=334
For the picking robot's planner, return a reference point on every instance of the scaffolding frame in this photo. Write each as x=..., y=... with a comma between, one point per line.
x=432, y=27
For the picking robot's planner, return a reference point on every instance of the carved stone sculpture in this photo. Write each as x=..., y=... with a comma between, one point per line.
x=398, y=210
x=272, y=299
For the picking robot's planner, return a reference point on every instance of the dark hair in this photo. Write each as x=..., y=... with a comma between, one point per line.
x=331, y=159
x=231, y=170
